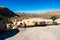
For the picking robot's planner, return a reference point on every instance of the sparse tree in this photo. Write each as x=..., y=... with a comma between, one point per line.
x=54, y=18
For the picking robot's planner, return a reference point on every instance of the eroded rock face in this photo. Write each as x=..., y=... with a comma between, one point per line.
x=5, y=12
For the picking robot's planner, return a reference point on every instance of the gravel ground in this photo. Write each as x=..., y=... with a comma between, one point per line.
x=37, y=33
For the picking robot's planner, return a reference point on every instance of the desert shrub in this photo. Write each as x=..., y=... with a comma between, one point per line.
x=55, y=23
x=53, y=18
x=6, y=20
x=42, y=23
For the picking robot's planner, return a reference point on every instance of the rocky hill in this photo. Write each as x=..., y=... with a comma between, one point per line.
x=5, y=12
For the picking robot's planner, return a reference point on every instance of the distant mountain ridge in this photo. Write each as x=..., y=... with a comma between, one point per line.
x=40, y=15
x=52, y=13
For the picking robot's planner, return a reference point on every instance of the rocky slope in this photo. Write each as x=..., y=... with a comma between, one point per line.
x=5, y=12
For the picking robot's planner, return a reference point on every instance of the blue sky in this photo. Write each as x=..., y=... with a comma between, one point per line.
x=31, y=6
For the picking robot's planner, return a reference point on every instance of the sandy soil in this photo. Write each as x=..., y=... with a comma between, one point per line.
x=38, y=33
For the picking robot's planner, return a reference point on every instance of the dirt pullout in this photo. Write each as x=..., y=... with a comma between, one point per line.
x=38, y=33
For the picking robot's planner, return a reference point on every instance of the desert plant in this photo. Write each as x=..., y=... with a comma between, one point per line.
x=6, y=20
x=53, y=18
x=55, y=23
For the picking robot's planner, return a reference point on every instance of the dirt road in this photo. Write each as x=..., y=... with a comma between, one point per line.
x=38, y=33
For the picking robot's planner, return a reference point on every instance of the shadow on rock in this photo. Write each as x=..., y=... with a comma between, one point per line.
x=7, y=34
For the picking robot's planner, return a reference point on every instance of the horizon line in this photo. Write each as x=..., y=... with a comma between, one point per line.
x=38, y=11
